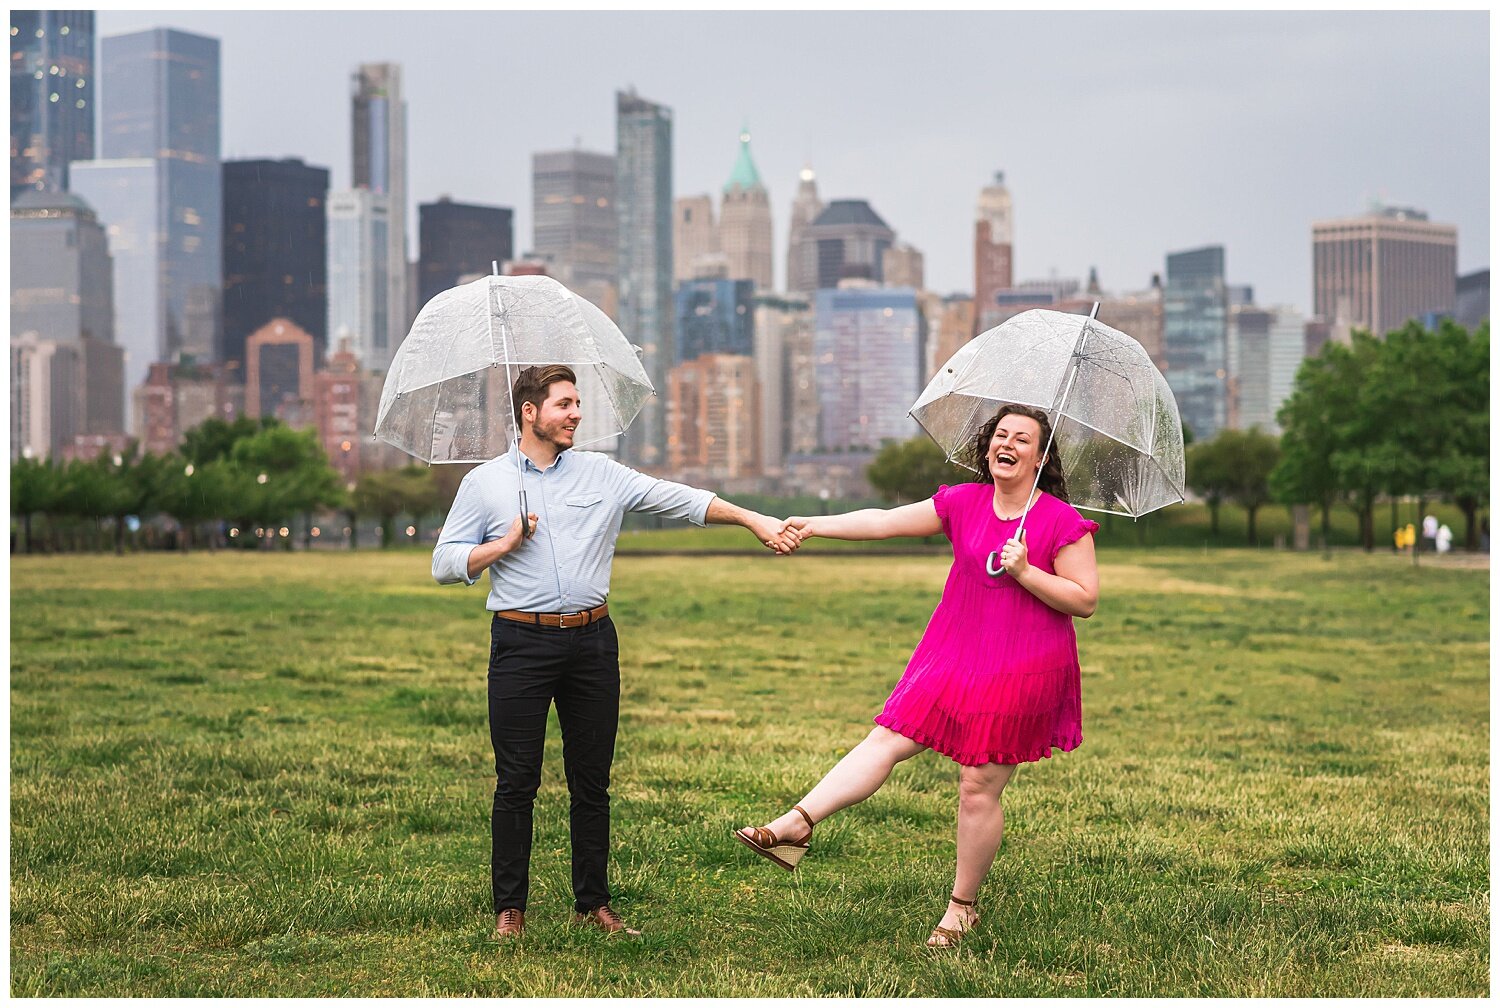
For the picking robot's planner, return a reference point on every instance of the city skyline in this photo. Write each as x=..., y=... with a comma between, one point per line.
x=1153, y=133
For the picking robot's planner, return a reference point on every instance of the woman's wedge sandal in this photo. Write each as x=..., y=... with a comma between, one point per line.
x=943, y=938
x=765, y=843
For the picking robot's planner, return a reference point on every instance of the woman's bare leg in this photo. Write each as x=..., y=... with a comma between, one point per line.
x=981, y=824
x=853, y=779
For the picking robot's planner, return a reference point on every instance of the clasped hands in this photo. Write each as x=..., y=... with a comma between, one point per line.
x=781, y=536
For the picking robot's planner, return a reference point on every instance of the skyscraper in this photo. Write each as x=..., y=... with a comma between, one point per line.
x=801, y=258
x=745, y=222
x=275, y=251
x=1471, y=304
x=993, y=252
x=358, y=273
x=714, y=317
x=279, y=373
x=781, y=325
x=715, y=419
x=868, y=349
x=458, y=239
x=157, y=188
x=1378, y=270
x=379, y=133
x=69, y=374
x=847, y=240
x=902, y=266
x=1194, y=338
x=574, y=225
x=1268, y=348
x=643, y=171
x=51, y=96
x=695, y=237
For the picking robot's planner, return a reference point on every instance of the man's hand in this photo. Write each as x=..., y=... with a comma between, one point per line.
x=491, y=550
x=772, y=534
x=513, y=536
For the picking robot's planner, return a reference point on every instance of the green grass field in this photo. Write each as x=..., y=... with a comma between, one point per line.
x=249, y=774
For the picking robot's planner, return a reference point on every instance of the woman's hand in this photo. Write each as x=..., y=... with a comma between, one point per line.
x=1013, y=558
x=798, y=527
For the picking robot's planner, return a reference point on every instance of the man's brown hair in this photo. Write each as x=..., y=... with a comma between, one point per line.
x=532, y=385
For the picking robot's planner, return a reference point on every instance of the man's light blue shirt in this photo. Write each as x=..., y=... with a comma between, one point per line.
x=579, y=502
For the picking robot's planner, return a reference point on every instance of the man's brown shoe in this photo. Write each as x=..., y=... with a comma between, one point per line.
x=606, y=920
x=510, y=924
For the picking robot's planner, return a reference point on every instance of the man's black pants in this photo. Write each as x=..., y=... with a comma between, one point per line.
x=530, y=667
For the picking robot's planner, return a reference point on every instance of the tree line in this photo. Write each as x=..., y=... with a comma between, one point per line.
x=1368, y=421
x=225, y=477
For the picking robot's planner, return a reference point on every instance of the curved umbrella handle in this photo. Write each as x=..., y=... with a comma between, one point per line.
x=989, y=565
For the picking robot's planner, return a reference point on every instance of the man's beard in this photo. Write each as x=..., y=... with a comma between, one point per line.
x=552, y=434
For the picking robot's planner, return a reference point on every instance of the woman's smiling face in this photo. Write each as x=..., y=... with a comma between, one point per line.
x=1015, y=448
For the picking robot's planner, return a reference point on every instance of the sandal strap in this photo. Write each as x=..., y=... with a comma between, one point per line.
x=803, y=813
x=761, y=836
x=964, y=902
x=952, y=936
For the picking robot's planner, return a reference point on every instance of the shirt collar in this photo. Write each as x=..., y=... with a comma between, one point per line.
x=526, y=462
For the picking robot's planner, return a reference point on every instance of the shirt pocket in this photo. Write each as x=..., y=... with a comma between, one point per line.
x=584, y=500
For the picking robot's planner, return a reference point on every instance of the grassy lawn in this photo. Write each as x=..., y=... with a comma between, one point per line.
x=270, y=775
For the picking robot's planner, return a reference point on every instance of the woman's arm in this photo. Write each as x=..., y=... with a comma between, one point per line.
x=1074, y=589
x=919, y=519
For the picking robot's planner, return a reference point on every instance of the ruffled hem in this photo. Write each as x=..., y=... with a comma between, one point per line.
x=1068, y=744
x=1085, y=526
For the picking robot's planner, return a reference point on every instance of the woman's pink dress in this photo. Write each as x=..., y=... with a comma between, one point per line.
x=995, y=678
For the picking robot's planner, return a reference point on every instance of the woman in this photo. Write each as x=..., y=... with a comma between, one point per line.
x=994, y=682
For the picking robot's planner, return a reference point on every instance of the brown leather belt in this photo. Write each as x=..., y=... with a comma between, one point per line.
x=555, y=620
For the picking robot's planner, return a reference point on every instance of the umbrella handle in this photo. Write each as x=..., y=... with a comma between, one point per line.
x=989, y=565
x=527, y=529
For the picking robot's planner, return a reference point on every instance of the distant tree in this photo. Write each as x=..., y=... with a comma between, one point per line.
x=912, y=470
x=118, y=486
x=283, y=472
x=1304, y=474
x=1248, y=458
x=194, y=493
x=37, y=486
x=1454, y=411
x=380, y=494
x=215, y=438
x=1209, y=477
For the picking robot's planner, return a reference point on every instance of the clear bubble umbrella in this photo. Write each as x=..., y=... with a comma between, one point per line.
x=447, y=394
x=1114, y=420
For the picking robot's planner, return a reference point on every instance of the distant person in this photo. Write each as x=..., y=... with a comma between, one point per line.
x=1430, y=528
x=1444, y=539
x=994, y=681
x=551, y=636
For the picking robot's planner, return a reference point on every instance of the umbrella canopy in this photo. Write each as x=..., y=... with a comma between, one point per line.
x=447, y=395
x=1114, y=420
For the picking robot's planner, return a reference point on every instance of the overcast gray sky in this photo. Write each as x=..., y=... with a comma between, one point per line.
x=1123, y=136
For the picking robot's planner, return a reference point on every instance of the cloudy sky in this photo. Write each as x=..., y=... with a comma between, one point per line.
x=1122, y=136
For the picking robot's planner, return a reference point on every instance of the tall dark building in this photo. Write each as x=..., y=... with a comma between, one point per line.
x=458, y=238
x=1195, y=338
x=51, y=96
x=1471, y=304
x=643, y=193
x=715, y=317
x=157, y=185
x=275, y=251
x=848, y=239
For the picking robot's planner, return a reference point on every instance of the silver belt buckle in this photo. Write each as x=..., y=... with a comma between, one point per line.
x=561, y=617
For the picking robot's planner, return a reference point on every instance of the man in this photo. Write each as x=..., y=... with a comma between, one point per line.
x=551, y=637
